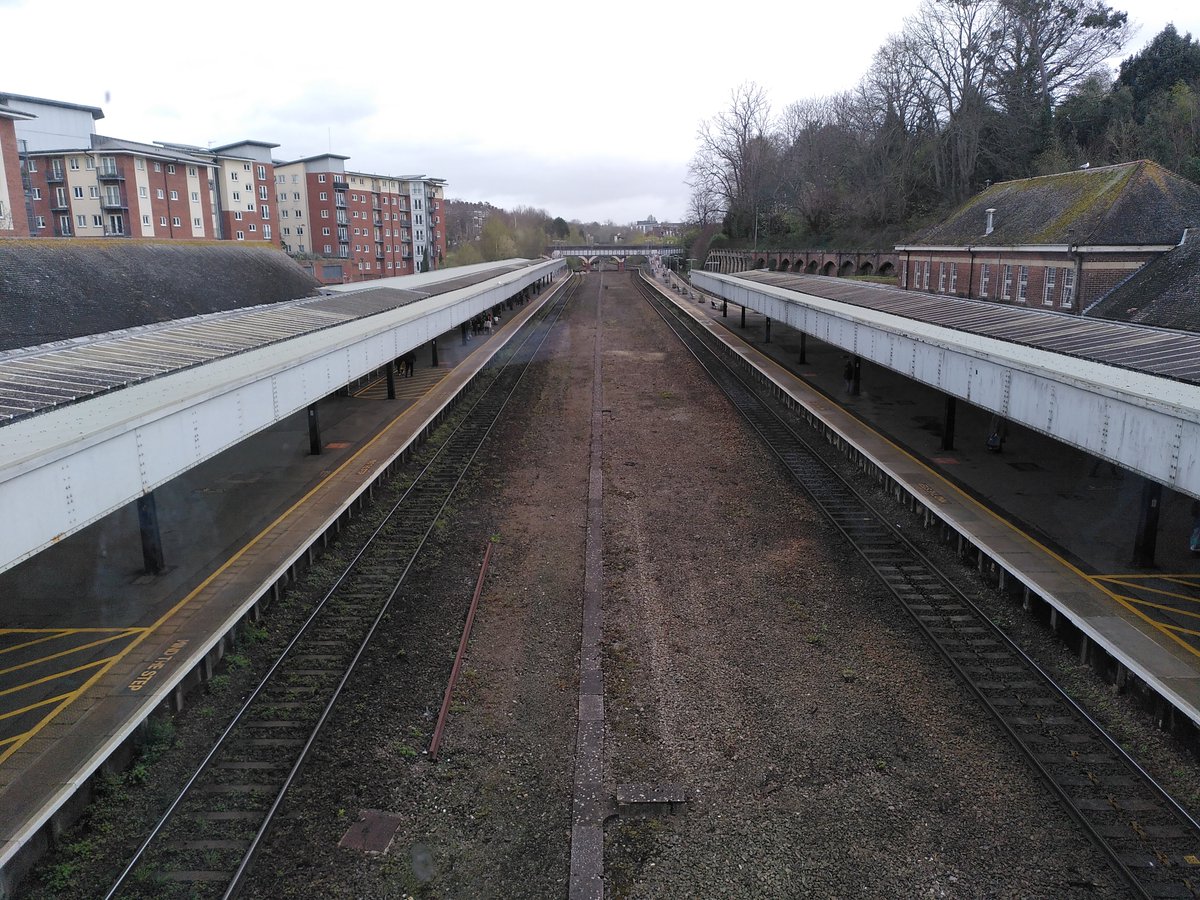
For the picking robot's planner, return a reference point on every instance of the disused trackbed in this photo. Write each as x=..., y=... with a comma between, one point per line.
x=206, y=841
x=1146, y=835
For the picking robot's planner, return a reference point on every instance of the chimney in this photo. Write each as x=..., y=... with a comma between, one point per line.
x=990, y=214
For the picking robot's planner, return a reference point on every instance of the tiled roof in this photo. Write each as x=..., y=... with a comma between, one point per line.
x=1165, y=293
x=57, y=288
x=1136, y=203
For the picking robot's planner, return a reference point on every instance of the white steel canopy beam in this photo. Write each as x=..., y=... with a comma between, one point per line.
x=1142, y=422
x=66, y=468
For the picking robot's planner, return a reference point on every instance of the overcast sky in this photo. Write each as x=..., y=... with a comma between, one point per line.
x=587, y=111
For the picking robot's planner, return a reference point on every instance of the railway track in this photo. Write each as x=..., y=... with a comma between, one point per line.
x=205, y=843
x=1149, y=838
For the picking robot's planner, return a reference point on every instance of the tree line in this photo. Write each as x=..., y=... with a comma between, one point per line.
x=969, y=92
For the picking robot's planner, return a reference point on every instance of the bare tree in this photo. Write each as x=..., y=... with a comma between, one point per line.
x=735, y=153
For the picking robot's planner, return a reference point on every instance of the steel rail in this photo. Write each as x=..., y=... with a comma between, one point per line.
x=1149, y=838
x=430, y=492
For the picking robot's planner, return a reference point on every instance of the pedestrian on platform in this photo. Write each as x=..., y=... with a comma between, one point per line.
x=848, y=374
x=997, y=433
x=410, y=360
x=1194, y=541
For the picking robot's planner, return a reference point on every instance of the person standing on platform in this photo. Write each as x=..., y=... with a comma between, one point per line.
x=848, y=374
x=1194, y=541
x=410, y=360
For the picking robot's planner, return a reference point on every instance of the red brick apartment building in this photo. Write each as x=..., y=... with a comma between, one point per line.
x=1056, y=241
x=13, y=218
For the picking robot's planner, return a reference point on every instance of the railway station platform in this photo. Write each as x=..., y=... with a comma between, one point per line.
x=1045, y=519
x=90, y=645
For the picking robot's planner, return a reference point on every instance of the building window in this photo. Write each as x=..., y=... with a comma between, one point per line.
x=953, y=273
x=253, y=227
x=246, y=167
x=941, y=278
x=170, y=168
x=927, y=263
x=262, y=172
x=266, y=232
x=299, y=213
x=1022, y=283
x=1048, y=286
x=237, y=216
x=195, y=196
x=116, y=224
x=97, y=222
x=264, y=210
x=262, y=192
x=300, y=229
x=324, y=195
x=140, y=164
x=241, y=235
x=77, y=192
x=162, y=220
x=237, y=196
x=1068, y=288
x=93, y=191
x=325, y=232
x=1006, y=288
x=74, y=163
x=146, y=220
x=985, y=273
x=81, y=221
x=233, y=176
x=174, y=195
x=158, y=192
x=287, y=232
x=324, y=214
x=37, y=193
x=321, y=180
x=143, y=192
x=327, y=248
x=191, y=171
x=196, y=222
x=39, y=221
x=31, y=165
x=175, y=221
x=158, y=167
x=64, y=225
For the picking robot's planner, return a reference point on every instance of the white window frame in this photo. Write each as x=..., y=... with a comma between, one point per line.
x=985, y=276
x=1068, y=287
x=1006, y=290
x=1048, y=284
x=1022, y=284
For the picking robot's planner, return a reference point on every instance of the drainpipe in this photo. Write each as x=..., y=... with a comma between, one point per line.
x=971, y=273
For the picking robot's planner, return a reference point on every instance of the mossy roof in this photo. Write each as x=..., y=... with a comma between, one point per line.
x=1136, y=203
x=1164, y=293
x=57, y=288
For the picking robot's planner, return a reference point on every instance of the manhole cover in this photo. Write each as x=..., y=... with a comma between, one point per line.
x=372, y=833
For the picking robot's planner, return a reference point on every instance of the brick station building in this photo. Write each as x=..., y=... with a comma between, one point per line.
x=1055, y=241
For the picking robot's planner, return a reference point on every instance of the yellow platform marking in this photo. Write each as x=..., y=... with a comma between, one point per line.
x=31, y=706
x=1163, y=606
x=406, y=388
x=1145, y=588
x=48, y=678
x=821, y=401
x=29, y=663
x=13, y=744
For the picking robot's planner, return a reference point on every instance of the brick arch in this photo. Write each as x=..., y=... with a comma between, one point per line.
x=783, y=265
x=846, y=269
x=866, y=269
x=830, y=268
x=759, y=263
x=887, y=269
x=811, y=268
x=772, y=265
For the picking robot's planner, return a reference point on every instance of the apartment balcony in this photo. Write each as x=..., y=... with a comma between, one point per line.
x=104, y=174
x=342, y=220
x=378, y=222
x=55, y=177
x=379, y=251
x=59, y=231
x=113, y=203
x=57, y=206
x=339, y=200
x=341, y=185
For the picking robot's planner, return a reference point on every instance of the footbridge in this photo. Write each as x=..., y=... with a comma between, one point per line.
x=1127, y=394
x=91, y=424
x=591, y=253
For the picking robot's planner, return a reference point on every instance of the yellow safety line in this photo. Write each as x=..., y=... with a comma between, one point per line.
x=61, y=653
x=11, y=740
x=1190, y=598
x=65, y=632
x=165, y=617
x=25, y=709
x=1164, y=606
x=24, y=686
x=1188, y=580
x=969, y=500
x=1182, y=630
